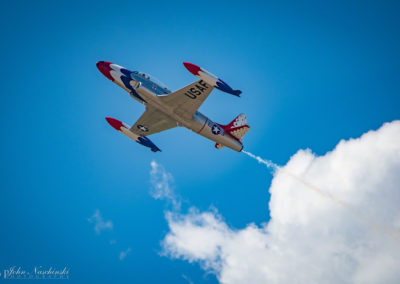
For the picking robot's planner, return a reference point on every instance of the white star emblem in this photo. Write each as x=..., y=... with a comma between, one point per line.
x=215, y=129
x=142, y=128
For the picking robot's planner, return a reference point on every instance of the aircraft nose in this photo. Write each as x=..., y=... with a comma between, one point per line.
x=105, y=69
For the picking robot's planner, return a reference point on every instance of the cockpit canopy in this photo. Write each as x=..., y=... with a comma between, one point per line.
x=150, y=83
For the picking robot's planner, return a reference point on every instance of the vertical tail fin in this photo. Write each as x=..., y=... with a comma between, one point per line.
x=237, y=128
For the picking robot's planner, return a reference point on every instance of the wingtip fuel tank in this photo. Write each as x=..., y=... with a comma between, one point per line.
x=125, y=129
x=210, y=79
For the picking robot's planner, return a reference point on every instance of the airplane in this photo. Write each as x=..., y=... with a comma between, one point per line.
x=166, y=109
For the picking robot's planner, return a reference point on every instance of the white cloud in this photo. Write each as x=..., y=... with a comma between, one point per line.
x=123, y=254
x=162, y=187
x=349, y=237
x=99, y=223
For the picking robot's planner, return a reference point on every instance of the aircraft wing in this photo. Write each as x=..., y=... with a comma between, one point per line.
x=152, y=121
x=187, y=100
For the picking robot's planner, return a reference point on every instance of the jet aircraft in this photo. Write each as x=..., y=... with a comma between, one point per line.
x=166, y=109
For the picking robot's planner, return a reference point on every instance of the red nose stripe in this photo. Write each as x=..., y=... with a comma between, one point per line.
x=104, y=68
x=114, y=123
x=194, y=69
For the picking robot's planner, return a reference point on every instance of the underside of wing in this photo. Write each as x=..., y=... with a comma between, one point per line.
x=187, y=100
x=152, y=121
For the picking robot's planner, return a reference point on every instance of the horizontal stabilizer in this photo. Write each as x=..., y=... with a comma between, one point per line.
x=219, y=146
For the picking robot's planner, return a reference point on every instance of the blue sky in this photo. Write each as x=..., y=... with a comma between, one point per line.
x=312, y=73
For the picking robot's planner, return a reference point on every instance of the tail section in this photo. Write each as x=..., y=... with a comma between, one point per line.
x=237, y=128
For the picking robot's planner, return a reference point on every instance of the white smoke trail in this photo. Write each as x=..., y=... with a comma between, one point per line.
x=374, y=225
x=268, y=163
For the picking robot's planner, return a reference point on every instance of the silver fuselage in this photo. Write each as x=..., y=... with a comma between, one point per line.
x=198, y=123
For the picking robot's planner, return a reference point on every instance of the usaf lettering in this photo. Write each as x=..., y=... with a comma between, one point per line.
x=197, y=90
